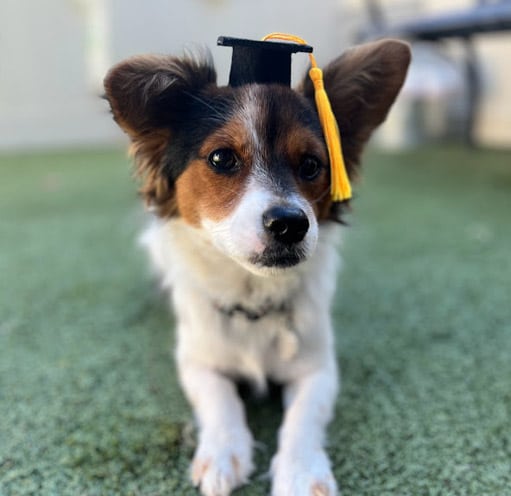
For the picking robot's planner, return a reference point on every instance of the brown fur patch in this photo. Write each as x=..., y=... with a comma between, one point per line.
x=155, y=189
x=203, y=193
x=300, y=142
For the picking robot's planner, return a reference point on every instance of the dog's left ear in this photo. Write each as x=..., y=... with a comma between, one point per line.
x=362, y=85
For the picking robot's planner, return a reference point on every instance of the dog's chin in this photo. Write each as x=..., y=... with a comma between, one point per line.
x=283, y=258
x=274, y=260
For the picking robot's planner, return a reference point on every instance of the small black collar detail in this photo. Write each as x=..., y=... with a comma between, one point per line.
x=254, y=314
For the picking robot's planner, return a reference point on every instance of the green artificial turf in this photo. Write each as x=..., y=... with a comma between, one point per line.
x=89, y=402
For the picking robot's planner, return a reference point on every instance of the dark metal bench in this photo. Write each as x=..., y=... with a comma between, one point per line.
x=486, y=16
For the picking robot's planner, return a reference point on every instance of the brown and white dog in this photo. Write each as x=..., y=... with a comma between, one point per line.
x=244, y=236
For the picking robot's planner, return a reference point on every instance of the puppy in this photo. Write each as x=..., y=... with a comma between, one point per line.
x=244, y=237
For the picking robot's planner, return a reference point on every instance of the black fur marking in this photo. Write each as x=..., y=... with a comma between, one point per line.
x=279, y=256
x=203, y=114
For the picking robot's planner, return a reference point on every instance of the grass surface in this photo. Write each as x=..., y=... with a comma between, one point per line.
x=89, y=403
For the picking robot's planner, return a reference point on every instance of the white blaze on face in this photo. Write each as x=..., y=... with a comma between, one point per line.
x=242, y=236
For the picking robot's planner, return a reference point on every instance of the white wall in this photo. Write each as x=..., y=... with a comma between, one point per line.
x=170, y=25
x=53, y=53
x=45, y=93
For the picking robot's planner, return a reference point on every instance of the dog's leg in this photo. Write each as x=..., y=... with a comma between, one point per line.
x=223, y=459
x=301, y=466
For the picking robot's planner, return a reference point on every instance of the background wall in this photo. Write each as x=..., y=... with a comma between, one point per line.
x=493, y=127
x=54, y=54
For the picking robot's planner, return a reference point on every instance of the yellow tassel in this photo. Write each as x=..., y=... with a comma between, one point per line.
x=340, y=187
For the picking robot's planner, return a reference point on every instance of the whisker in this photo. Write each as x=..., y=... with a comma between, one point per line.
x=200, y=100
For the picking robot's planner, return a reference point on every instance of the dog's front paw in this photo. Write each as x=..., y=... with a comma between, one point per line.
x=302, y=474
x=222, y=462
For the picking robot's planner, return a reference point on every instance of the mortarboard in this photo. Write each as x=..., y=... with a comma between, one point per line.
x=261, y=62
x=267, y=62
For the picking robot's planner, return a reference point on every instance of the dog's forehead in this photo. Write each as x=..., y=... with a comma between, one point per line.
x=276, y=108
x=269, y=108
x=269, y=127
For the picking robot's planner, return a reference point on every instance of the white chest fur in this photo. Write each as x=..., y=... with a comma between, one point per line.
x=291, y=331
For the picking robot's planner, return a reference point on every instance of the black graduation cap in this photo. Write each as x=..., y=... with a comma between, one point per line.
x=262, y=62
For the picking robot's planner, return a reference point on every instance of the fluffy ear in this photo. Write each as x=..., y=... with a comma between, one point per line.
x=150, y=96
x=150, y=92
x=362, y=85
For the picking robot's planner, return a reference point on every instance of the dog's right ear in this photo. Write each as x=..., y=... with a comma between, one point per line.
x=150, y=97
x=362, y=85
x=151, y=92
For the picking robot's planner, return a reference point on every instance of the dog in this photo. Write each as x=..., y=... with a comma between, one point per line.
x=244, y=235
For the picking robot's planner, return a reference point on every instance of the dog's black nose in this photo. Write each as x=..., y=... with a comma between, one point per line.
x=286, y=224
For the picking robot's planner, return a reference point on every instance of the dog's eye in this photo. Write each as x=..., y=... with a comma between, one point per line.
x=224, y=161
x=310, y=168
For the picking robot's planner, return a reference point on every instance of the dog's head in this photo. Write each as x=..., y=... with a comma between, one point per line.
x=248, y=165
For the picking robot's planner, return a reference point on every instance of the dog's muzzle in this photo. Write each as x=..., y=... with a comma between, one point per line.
x=285, y=228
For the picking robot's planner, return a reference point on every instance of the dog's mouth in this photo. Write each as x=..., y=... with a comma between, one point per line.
x=278, y=257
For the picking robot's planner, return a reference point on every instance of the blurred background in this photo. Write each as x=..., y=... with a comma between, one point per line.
x=89, y=399
x=55, y=53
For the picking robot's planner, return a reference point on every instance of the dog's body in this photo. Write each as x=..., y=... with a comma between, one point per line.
x=244, y=239
x=233, y=324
